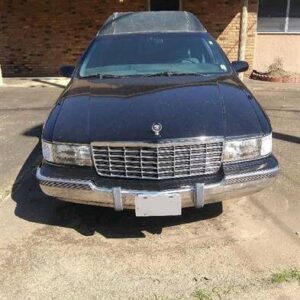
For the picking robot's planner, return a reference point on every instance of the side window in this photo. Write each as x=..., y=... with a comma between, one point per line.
x=278, y=16
x=271, y=15
x=294, y=16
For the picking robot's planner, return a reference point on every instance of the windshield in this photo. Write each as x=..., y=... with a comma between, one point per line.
x=155, y=53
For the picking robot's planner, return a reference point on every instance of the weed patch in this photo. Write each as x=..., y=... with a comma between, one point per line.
x=203, y=295
x=286, y=275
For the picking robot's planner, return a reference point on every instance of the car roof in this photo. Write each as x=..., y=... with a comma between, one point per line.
x=151, y=21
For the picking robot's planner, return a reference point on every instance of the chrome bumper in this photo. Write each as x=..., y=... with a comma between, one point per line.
x=86, y=192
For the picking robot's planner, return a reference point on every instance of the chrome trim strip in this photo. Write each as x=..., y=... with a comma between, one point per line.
x=63, y=143
x=163, y=141
x=248, y=137
x=172, y=142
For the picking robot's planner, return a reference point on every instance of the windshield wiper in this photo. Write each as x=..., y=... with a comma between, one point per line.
x=169, y=74
x=102, y=76
x=165, y=73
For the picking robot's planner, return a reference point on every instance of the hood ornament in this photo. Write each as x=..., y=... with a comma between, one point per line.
x=156, y=128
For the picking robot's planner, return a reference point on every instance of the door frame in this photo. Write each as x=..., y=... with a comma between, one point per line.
x=149, y=4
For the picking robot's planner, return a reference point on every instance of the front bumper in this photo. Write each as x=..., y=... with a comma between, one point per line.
x=237, y=180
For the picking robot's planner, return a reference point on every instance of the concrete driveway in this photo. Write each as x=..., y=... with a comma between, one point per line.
x=247, y=248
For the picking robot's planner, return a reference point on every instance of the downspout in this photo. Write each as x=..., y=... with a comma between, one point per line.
x=243, y=33
x=1, y=78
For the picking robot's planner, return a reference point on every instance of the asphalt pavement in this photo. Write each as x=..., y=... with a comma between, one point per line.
x=229, y=250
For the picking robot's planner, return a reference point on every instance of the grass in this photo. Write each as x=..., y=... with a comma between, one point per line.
x=214, y=293
x=286, y=275
x=203, y=295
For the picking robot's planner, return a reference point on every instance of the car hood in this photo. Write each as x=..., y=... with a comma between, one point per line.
x=125, y=109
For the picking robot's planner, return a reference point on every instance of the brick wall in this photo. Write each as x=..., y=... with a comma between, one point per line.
x=36, y=37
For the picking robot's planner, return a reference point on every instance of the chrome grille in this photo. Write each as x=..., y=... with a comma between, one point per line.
x=157, y=161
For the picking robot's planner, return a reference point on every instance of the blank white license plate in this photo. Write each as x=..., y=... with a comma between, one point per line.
x=158, y=205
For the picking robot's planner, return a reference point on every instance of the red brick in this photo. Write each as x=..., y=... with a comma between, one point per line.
x=39, y=36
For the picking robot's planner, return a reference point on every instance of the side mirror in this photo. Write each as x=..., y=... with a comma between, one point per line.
x=240, y=66
x=66, y=71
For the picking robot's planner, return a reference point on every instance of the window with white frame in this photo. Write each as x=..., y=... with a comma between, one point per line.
x=279, y=16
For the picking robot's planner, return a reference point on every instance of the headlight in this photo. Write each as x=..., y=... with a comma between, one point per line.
x=247, y=149
x=67, y=154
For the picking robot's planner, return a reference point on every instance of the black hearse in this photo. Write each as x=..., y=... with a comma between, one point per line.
x=155, y=118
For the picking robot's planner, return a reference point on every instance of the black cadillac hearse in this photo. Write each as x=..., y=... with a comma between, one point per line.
x=155, y=119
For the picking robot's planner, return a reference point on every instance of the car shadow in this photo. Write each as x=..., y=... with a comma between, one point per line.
x=286, y=137
x=32, y=205
x=62, y=86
